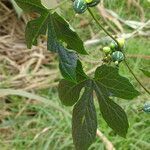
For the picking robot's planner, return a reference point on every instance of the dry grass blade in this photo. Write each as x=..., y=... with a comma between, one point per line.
x=20, y=67
x=107, y=16
x=136, y=4
x=108, y=144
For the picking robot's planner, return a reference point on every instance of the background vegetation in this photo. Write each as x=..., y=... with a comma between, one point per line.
x=30, y=124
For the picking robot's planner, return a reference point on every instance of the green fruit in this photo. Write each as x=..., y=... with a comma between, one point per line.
x=106, y=50
x=88, y=1
x=121, y=42
x=117, y=56
x=113, y=46
x=93, y=3
x=79, y=6
x=116, y=63
x=146, y=108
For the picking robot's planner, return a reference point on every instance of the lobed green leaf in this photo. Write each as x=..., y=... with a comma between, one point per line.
x=58, y=31
x=108, y=82
x=58, y=27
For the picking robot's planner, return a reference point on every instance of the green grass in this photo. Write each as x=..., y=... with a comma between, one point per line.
x=36, y=126
x=19, y=132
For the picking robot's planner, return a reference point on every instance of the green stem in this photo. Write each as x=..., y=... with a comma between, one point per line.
x=126, y=63
x=101, y=27
x=96, y=20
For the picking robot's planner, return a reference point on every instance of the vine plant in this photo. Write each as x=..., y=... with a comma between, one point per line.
x=107, y=81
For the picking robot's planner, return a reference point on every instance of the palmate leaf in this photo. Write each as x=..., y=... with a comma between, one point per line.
x=58, y=25
x=58, y=31
x=84, y=121
x=107, y=83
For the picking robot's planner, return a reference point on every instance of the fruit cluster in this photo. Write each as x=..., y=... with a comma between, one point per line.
x=80, y=6
x=112, y=52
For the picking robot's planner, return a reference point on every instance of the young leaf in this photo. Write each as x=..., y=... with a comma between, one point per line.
x=69, y=92
x=84, y=121
x=112, y=113
x=145, y=72
x=109, y=79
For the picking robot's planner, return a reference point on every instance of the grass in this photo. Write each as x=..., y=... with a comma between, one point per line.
x=28, y=124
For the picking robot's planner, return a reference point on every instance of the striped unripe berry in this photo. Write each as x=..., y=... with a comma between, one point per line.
x=117, y=56
x=79, y=6
x=146, y=108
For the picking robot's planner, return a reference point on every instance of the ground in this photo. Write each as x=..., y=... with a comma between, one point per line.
x=30, y=124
